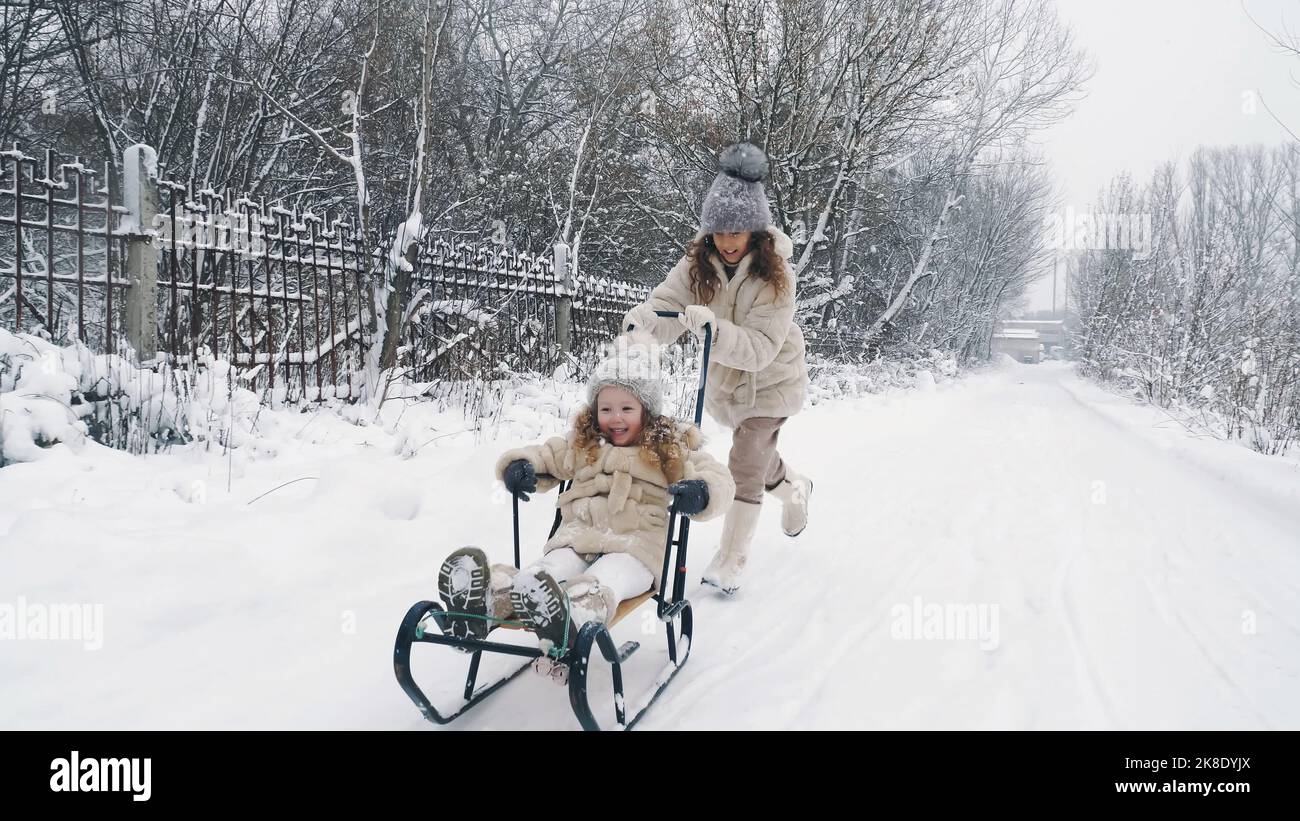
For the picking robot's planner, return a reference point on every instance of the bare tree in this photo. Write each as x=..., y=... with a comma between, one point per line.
x=1025, y=75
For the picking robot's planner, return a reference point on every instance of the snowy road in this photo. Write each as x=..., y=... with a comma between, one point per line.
x=1121, y=574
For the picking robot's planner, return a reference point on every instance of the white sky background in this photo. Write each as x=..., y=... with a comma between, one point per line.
x=1169, y=75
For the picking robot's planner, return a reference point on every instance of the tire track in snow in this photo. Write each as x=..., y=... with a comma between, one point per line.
x=1061, y=592
x=1171, y=615
x=1273, y=515
x=1204, y=644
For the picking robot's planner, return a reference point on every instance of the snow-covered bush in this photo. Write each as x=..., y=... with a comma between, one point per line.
x=36, y=391
x=1248, y=398
x=51, y=394
x=830, y=379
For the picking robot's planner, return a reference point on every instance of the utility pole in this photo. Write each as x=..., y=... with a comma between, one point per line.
x=1056, y=267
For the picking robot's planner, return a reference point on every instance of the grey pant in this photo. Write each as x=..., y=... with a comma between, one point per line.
x=755, y=465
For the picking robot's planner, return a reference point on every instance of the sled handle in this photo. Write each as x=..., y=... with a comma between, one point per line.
x=704, y=361
x=514, y=499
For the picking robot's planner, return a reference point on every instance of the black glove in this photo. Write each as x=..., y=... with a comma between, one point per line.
x=691, y=495
x=520, y=478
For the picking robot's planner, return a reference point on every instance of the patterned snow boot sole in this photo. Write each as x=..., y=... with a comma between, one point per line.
x=540, y=604
x=463, y=586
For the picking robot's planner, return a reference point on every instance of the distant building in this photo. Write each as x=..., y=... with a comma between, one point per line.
x=1022, y=344
x=1029, y=340
x=1050, y=331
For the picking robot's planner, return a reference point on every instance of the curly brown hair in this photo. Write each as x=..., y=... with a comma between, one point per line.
x=767, y=264
x=659, y=441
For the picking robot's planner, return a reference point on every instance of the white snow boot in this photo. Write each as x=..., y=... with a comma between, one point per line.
x=589, y=600
x=737, y=532
x=503, y=578
x=793, y=491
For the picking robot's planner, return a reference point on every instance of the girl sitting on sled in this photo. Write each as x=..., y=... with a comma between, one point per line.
x=627, y=463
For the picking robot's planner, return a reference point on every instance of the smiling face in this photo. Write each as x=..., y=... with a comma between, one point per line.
x=732, y=247
x=619, y=415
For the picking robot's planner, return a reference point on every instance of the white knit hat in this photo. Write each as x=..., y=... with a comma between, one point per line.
x=633, y=365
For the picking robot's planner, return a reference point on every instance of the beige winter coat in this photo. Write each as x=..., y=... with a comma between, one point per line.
x=618, y=504
x=757, y=366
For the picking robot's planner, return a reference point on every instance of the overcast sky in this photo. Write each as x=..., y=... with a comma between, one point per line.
x=1169, y=75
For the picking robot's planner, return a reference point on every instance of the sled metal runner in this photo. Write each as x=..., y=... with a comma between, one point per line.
x=425, y=620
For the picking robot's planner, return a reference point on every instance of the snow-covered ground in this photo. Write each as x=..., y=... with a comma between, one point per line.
x=1120, y=573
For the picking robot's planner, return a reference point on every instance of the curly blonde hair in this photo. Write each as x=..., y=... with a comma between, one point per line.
x=660, y=442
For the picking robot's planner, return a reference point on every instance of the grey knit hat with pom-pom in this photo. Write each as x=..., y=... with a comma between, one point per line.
x=736, y=200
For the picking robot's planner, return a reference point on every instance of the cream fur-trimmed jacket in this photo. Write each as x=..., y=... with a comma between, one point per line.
x=619, y=502
x=757, y=365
